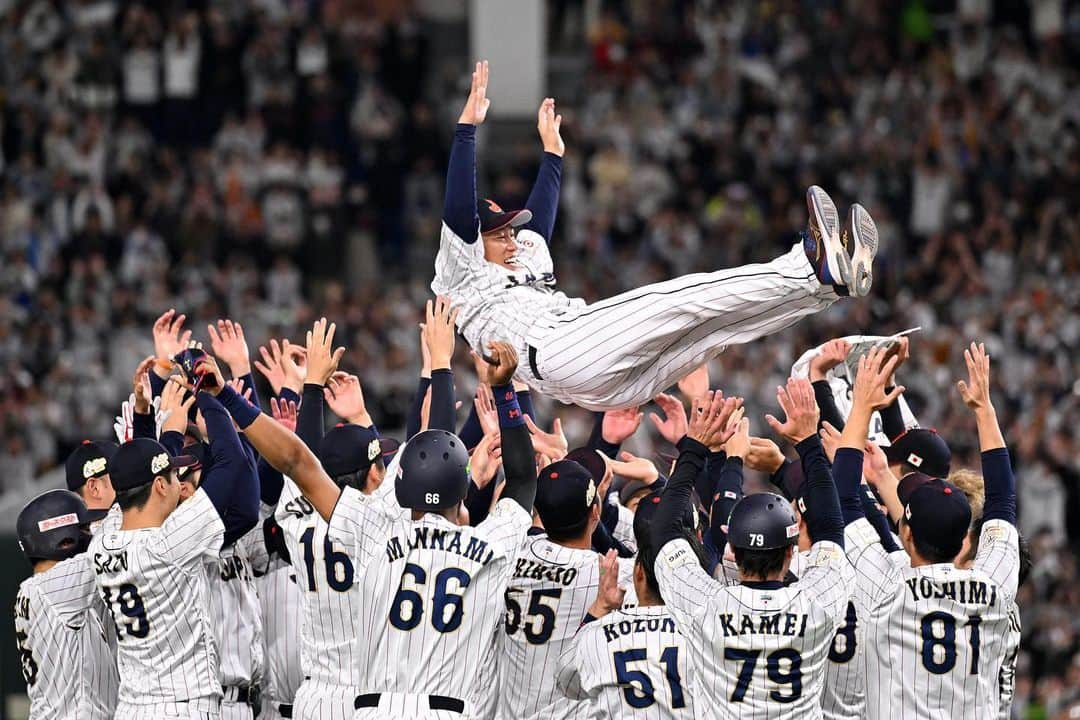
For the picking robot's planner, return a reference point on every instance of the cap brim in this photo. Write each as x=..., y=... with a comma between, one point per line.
x=183, y=461
x=514, y=218
x=95, y=515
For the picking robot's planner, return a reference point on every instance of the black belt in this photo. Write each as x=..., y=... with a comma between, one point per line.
x=435, y=702
x=285, y=710
x=246, y=694
x=532, y=363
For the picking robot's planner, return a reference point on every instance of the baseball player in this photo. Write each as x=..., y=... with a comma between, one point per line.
x=554, y=581
x=935, y=633
x=67, y=661
x=87, y=474
x=620, y=352
x=280, y=604
x=428, y=609
x=758, y=648
x=631, y=662
x=150, y=571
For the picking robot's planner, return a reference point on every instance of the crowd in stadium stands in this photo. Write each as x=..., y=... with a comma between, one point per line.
x=273, y=162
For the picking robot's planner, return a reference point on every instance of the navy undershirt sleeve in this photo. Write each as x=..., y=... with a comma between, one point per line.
x=1000, y=486
x=143, y=426
x=442, y=401
x=824, y=520
x=412, y=424
x=231, y=482
x=827, y=405
x=459, y=206
x=543, y=201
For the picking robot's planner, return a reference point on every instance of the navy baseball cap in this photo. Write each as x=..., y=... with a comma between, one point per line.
x=921, y=448
x=591, y=460
x=633, y=487
x=200, y=451
x=565, y=494
x=493, y=217
x=89, y=460
x=348, y=449
x=939, y=515
x=909, y=484
x=139, y=461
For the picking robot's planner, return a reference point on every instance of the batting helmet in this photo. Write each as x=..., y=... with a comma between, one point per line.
x=55, y=526
x=762, y=521
x=434, y=472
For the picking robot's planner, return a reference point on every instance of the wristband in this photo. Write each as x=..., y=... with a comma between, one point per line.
x=506, y=403
x=243, y=412
x=289, y=395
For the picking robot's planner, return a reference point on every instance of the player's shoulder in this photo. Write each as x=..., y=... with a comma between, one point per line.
x=543, y=549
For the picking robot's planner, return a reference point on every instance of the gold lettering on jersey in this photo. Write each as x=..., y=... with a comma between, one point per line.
x=785, y=624
x=109, y=563
x=449, y=541
x=965, y=592
x=532, y=570
x=613, y=631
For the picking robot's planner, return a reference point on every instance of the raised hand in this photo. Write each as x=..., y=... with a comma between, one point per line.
x=284, y=411
x=876, y=464
x=830, y=440
x=552, y=444
x=140, y=385
x=176, y=401
x=272, y=369
x=696, y=384
x=484, y=461
x=209, y=373
x=439, y=332
x=345, y=396
x=619, y=425
x=169, y=339
x=477, y=105
x=738, y=445
x=425, y=355
x=800, y=411
x=322, y=359
x=609, y=596
x=238, y=388
x=294, y=362
x=486, y=412
x=548, y=124
x=709, y=420
x=832, y=354
x=976, y=391
x=228, y=344
x=875, y=369
x=506, y=363
x=634, y=468
x=764, y=456
x=675, y=423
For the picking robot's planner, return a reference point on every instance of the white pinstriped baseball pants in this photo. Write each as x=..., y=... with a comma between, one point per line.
x=200, y=709
x=623, y=351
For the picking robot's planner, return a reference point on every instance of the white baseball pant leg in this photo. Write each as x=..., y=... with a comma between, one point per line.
x=236, y=711
x=203, y=709
x=623, y=351
x=318, y=701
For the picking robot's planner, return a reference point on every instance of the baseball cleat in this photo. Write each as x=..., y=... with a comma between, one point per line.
x=832, y=264
x=860, y=240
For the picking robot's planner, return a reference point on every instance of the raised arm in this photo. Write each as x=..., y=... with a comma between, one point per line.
x=459, y=207
x=830, y=355
x=439, y=334
x=322, y=363
x=231, y=468
x=517, y=449
x=544, y=199
x=997, y=471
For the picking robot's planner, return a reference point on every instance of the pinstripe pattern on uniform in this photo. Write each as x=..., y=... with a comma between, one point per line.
x=158, y=596
x=234, y=610
x=1007, y=675
x=766, y=633
x=282, y=617
x=67, y=661
x=418, y=576
x=935, y=635
x=641, y=640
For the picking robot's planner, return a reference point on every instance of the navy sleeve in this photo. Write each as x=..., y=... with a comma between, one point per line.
x=543, y=201
x=603, y=540
x=442, y=400
x=518, y=458
x=892, y=420
x=157, y=385
x=708, y=479
x=248, y=382
x=173, y=442
x=827, y=404
x=525, y=402
x=231, y=482
x=412, y=424
x=311, y=418
x=143, y=425
x=471, y=433
x=676, y=497
x=478, y=500
x=847, y=472
x=459, y=206
x=781, y=479
x=596, y=438
x=728, y=492
x=878, y=520
x=270, y=483
x=1000, y=486
x=289, y=394
x=824, y=520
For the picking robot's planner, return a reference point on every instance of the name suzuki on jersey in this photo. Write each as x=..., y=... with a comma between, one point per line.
x=429, y=538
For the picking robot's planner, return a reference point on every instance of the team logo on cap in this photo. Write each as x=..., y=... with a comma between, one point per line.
x=93, y=467
x=801, y=504
x=159, y=462
x=59, y=521
x=915, y=460
x=590, y=492
x=373, y=449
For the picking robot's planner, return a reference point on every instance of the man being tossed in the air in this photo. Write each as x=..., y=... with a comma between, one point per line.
x=620, y=352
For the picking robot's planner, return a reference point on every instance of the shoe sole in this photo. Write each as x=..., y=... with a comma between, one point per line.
x=865, y=247
x=825, y=219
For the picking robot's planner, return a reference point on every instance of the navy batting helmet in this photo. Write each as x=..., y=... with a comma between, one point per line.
x=762, y=521
x=55, y=526
x=434, y=472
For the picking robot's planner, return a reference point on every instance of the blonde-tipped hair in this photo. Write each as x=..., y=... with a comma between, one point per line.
x=971, y=484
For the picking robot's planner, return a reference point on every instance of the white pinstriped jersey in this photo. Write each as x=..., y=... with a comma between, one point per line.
x=757, y=653
x=154, y=584
x=234, y=610
x=496, y=303
x=485, y=698
x=1007, y=674
x=431, y=594
x=550, y=591
x=935, y=635
x=67, y=660
x=281, y=609
x=631, y=663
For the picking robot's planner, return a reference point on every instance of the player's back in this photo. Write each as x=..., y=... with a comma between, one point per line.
x=154, y=584
x=934, y=645
x=549, y=593
x=67, y=662
x=329, y=592
x=631, y=663
x=234, y=608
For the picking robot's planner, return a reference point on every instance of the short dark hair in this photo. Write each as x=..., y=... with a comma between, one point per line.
x=760, y=563
x=570, y=532
x=358, y=479
x=134, y=497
